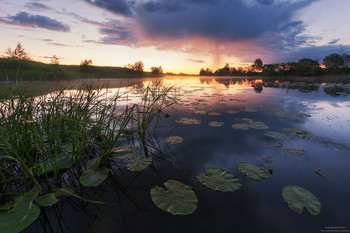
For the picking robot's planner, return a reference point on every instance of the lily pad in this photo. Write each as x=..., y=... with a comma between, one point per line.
x=258, y=125
x=47, y=200
x=283, y=114
x=298, y=133
x=93, y=177
x=125, y=152
x=303, y=115
x=59, y=163
x=294, y=151
x=276, y=135
x=216, y=124
x=232, y=111
x=268, y=159
x=188, y=121
x=177, y=198
x=252, y=171
x=200, y=112
x=241, y=126
x=138, y=163
x=214, y=114
x=219, y=180
x=22, y=215
x=173, y=140
x=249, y=109
x=298, y=198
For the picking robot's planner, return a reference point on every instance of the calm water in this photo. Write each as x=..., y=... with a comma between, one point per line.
x=322, y=110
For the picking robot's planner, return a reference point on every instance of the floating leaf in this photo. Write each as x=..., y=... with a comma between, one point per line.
x=188, y=121
x=138, y=163
x=93, y=177
x=65, y=191
x=298, y=133
x=216, y=124
x=293, y=151
x=220, y=180
x=268, y=159
x=125, y=152
x=276, y=135
x=252, y=171
x=232, y=111
x=214, y=114
x=59, y=163
x=177, y=198
x=303, y=115
x=200, y=112
x=173, y=140
x=298, y=198
x=249, y=109
x=22, y=215
x=242, y=126
x=258, y=125
x=47, y=200
x=283, y=114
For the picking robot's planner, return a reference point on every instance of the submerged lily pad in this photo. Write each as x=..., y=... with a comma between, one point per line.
x=268, y=159
x=216, y=123
x=249, y=109
x=173, y=140
x=283, y=114
x=303, y=115
x=298, y=133
x=276, y=135
x=298, y=198
x=177, y=198
x=294, y=151
x=138, y=163
x=22, y=215
x=219, y=180
x=93, y=177
x=125, y=152
x=248, y=123
x=47, y=200
x=188, y=121
x=241, y=126
x=252, y=171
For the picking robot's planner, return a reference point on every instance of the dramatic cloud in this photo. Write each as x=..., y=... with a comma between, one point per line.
x=27, y=20
x=334, y=41
x=116, y=32
x=195, y=61
x=116, y=6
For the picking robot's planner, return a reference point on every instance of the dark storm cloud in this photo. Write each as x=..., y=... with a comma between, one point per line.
x=116, y=6
x=334, y=41
x=117, y=34
x=221, y=20
x=28, y=20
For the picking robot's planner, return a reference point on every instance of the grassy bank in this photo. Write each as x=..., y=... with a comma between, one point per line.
x=23, y=70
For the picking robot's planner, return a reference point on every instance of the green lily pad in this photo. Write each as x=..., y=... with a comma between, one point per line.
x=298, y=133
x=241, y=126
x=214, y=114
x=22, y=215
x=173, y=140
x=219, y=180
x=59, y=163
x=177, y=198
x=47, y=200
x=138, y=163
x=125, y=152
x=298, y=198
x=93, y=177
x=276, y=135
x=252, y=171
x=188, y=121
x=294, y=151
x=249, y=109
x=216, y=124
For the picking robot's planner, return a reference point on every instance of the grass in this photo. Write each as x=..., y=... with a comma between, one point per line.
x=23, y=70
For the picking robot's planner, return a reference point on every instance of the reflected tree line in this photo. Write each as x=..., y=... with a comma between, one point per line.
x=333, y=64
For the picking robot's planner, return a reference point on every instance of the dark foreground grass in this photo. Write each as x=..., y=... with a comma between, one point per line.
x=68, y=137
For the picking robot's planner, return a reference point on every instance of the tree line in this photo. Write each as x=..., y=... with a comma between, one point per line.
x=20, y=53
x=332, y=64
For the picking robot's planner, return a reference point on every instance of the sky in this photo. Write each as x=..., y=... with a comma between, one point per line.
x=179, y=35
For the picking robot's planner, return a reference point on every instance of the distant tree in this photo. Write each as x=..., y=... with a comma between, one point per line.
x=258, y=64
x=54, y=60
x=207, y=72
x=157, y=70
x=307, y=67
x=225, y=71
x=346, y=60
x=85, y=65
x=138, y=66
x=333, y=61
x=18, y=53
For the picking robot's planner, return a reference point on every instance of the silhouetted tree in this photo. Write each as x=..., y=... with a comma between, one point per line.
x=157, y=70
x=54, y=60
x=85, y=65
x=18, y=53
x=346, y=60
x=258, y=64
x=138, y=66
x=333, y=61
